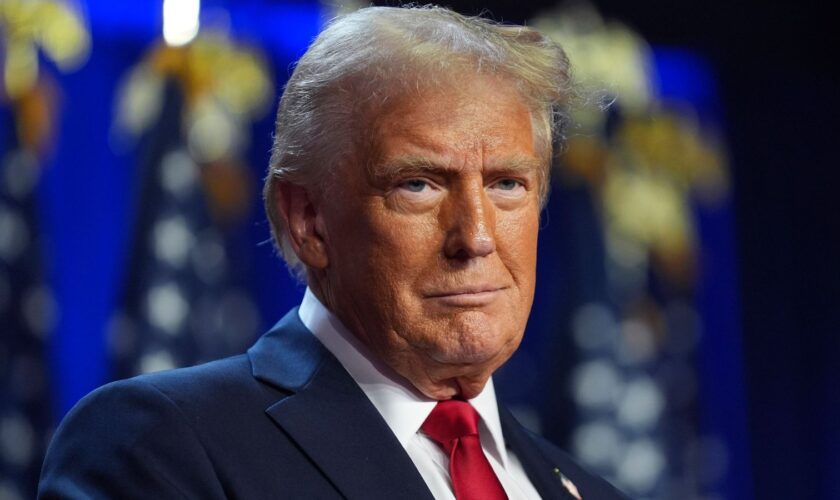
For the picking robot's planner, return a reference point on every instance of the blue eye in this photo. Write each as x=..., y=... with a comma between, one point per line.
x=415, y=185
x=507, y=184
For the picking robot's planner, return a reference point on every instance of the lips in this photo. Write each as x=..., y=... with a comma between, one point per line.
x=466, y=296
x=467, y=290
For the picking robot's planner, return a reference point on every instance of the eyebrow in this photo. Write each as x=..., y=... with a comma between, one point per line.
x=410, y=164
x=405, y=165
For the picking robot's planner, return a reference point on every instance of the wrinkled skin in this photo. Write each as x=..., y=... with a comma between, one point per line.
x=425, y=247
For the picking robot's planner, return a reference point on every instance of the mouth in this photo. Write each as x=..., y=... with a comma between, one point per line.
x=468, y=296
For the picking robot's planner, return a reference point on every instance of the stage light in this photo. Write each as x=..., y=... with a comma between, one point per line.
x=180, y=21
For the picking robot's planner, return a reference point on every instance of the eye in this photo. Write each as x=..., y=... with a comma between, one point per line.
x=507, y=184
x=414, y=185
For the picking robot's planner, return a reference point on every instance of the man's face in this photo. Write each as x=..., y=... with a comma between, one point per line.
x=432, y=246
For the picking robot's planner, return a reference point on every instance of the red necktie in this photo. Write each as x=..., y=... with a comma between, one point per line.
x=453, y=424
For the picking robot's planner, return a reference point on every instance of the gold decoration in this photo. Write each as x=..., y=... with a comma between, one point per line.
x=605, y=57
x=225, y=86
x=35, y=115
x=26, y=25
x=656, y=161
x=229, y=187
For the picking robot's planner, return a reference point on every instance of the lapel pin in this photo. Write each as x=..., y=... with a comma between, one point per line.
x=568, y=484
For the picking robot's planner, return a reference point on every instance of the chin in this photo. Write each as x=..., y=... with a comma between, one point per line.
x=476, y=343
x=466, y=353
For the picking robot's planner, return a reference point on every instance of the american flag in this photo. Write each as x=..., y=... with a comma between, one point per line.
x=183, y=297
x=27, y=314
x=634, y=328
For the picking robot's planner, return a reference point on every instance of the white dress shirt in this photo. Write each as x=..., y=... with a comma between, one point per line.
x=405, y=409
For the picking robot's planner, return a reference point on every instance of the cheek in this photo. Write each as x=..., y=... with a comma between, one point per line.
x=395, y=254
x=404, y=244
x=517, y=241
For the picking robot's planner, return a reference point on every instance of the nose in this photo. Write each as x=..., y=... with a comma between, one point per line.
x=471, y=224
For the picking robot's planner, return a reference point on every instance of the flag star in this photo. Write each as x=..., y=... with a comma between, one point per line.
x=178, y=173
x=172, y=241
x=156, y=361
x=14, y=234
x=17, y=440
x=166, y=307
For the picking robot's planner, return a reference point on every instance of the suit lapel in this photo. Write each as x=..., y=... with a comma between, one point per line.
x=330, y=418
x=544, y=475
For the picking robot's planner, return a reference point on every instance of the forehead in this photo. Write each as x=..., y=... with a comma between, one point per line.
x=482, y=120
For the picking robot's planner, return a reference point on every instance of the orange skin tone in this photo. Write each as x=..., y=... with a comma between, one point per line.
x=426, y=250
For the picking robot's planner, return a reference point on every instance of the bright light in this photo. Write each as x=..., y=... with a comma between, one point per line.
x=180, y=21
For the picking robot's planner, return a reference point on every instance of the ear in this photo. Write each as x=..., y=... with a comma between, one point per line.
x=304, y=226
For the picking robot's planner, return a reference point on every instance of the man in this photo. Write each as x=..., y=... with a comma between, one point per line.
x=409, y=169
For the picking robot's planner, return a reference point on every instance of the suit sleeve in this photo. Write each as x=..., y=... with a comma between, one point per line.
x=127, y=440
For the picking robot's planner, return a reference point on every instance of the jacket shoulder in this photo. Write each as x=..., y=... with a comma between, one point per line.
x=145, y=435
x=203, y=388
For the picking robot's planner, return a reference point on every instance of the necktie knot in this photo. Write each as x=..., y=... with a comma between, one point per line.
x=451, y=420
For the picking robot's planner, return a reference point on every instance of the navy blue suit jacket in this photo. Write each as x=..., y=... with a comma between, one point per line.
x=284, y=420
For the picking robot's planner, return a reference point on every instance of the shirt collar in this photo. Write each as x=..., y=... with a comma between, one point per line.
x=400, y=404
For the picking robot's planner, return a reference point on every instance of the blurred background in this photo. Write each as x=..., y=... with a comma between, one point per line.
x=684, y=339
